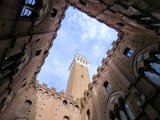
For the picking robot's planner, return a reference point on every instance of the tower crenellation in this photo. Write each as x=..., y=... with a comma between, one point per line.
x=81, y=60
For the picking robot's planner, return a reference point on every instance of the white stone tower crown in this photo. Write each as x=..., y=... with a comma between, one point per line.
x=81, y=60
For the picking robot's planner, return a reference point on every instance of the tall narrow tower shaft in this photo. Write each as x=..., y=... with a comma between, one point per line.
x=78, y=78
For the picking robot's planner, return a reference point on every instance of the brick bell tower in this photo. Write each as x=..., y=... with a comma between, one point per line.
x=79, y=77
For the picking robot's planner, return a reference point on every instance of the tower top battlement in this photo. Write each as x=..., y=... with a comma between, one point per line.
x=81, y=60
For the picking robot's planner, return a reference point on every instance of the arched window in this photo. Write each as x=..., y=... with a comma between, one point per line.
x=129, y=112
x=13, y=64
x=38, y=52
x=52, y=96
x=36, y=10
x=88, y=115
x=65, y=102
x=77, y=107
x=120, y=110
x=46, y=94
x=59, y=99
x=148, y=65
x=54, y=12
x=66, y=118
x=26, y=106
x=156, y=67
x=107, y=86
x=40, y=92
x=32, y=89
x=128, y=52
x=152, y=77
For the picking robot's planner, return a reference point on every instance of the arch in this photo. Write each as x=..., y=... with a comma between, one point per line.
x=34, y=87
x=26, y=106
x=65, y=102
x=30, y=10
x=148, y=66
x=6, y=100
x=54, y=12
x=128, y=52
x=66, y=118
x=52, y=96
x=38, y=52
x=59, y=98
x=29, y=102
x=128, y=111
x=82, y=2
x=118, y=107
x=16, y=62
x=107, y=86
x=70, y=104
x=77, y=107
x=46, y=94
x=40, y=92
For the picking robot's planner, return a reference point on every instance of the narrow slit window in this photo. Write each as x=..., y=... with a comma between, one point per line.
x=88, y=114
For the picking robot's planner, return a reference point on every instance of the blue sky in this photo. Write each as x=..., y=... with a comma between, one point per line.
x=78, y=34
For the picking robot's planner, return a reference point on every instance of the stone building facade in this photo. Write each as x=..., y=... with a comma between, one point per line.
x=40, y=103
x=126, y=86
x=25, y=40
x=37, y=102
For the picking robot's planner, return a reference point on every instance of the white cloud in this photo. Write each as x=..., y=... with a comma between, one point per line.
x=78, y=33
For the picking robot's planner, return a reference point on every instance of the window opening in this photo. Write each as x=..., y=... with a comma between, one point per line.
x=26, y=12
x=107, y=86
x=154, y=78
x=129, y=112
x=120, y=109
x=128, y=52
x=77, y=107
x=26, y=106
x=156, y=67
x=28, y=8
x=88, y=114
x=158, y=56
x=38, y=52
x=54, y=12
x=65, y=102
x=81, y=76
x=66, y=118
x=148, y=65
x=32, y=2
